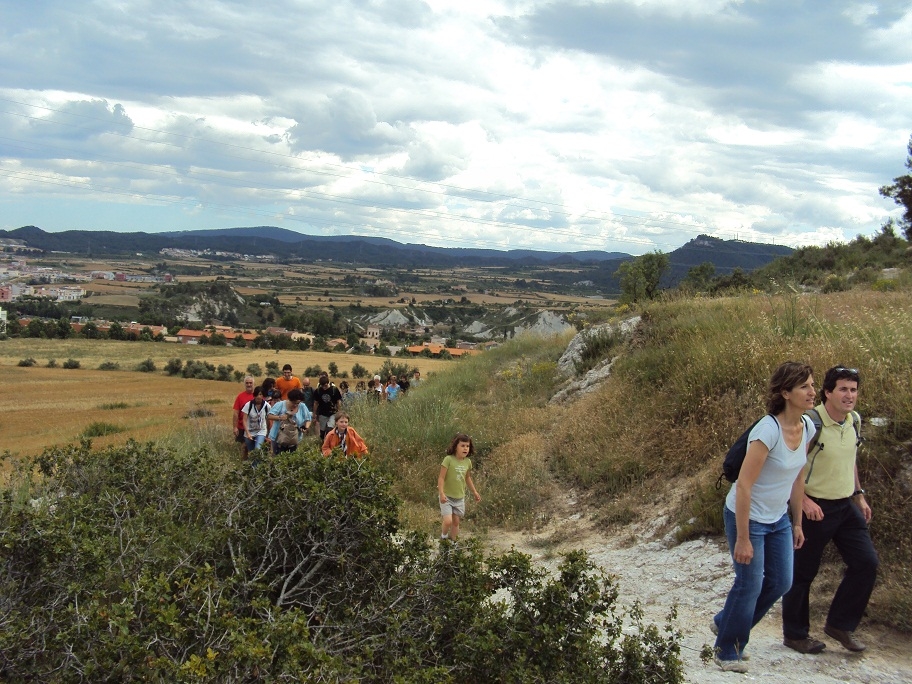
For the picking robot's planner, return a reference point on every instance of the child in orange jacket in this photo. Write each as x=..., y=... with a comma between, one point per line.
x=345, y=438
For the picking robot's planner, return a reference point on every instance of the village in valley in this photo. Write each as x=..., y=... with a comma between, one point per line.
x=241, y=300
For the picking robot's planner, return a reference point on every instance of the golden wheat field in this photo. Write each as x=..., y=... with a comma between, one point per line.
x=42, y=406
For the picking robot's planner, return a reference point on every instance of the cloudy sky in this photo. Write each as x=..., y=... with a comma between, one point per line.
x=610, y=124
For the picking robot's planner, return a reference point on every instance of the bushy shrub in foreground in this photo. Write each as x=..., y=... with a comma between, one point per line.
x=141, y=563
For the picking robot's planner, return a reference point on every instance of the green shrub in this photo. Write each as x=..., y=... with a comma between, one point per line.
x=109, y=366
x=835, y=284
x=884, y=285
x=114, y=405
x=99, y=429
x=152, y=564
x=201, y=370
x=254, y=370
x=147, y=366
x=71, y=363
x=400, y=369
x=174, y=366
x=51, y=363
x=26, y=363
x=312, y=371
x=272, y=369
x=359, y=371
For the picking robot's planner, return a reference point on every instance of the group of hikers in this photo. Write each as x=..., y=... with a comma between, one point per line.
x=281, y=411
x=797, y=490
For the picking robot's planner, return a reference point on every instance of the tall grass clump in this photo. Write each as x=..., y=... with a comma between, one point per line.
x=114, y=406
x=101, y=429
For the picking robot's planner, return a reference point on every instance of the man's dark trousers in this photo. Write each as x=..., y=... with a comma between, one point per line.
x=844, y=524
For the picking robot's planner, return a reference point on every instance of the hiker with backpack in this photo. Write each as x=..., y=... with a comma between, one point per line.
x=761, y=537
x=287, y=419
x=834, y=508
x=254, y=414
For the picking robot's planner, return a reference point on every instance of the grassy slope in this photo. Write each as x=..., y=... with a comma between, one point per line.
x=692, y=380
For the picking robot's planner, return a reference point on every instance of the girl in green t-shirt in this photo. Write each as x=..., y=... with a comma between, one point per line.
x=455, y=475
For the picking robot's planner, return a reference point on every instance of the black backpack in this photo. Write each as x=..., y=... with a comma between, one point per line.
x=734, y=457
x=731, y=465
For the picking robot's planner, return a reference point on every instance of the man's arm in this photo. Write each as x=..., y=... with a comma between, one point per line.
x=859, y=499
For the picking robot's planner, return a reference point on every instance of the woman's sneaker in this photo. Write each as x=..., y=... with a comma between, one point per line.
x=731, y=665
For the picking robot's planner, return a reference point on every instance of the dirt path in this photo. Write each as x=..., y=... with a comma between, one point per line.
x=695, y=576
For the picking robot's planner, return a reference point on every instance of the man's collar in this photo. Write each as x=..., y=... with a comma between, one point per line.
x=826, y=418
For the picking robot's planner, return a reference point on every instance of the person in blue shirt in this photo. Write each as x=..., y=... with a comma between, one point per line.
x=294, y=410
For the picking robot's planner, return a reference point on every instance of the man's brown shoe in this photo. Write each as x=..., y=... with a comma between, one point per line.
x=806, y=645
x=847, y=639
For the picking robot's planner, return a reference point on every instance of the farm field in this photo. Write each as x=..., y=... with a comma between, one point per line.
x=42, y=407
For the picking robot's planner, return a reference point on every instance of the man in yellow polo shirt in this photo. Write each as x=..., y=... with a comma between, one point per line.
x=834, y=508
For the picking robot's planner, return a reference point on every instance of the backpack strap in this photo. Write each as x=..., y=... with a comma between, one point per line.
x=815, y=418
x=856, y=423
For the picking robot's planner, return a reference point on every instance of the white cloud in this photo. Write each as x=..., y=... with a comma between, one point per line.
x=616, y=125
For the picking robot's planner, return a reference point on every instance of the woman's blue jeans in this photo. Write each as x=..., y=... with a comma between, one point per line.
x=758, y=584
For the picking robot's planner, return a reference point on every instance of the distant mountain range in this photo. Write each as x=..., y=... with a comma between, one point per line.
x=598, y=266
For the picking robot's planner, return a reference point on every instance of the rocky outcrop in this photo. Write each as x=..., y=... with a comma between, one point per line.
x=572, y=355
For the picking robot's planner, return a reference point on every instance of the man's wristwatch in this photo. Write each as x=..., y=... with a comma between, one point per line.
x=858, y=492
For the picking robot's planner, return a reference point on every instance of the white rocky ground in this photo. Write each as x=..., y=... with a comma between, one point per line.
x=695, y=576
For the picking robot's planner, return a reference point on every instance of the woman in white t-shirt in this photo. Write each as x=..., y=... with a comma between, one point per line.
x=253, y=413
x=760, y=534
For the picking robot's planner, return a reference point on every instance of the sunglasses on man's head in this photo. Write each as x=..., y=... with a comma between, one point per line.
x=842, y=369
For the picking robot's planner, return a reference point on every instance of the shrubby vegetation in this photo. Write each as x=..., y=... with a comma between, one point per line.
x=148, y=563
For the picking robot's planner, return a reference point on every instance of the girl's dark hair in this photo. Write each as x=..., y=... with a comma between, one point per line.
x=268, y=384
x=461, y=437
x=786, y=377
x=257, y=391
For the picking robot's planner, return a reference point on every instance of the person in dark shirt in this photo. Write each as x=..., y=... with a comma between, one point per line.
x=327, y=402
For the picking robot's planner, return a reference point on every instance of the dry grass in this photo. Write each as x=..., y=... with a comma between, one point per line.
x=52, y=406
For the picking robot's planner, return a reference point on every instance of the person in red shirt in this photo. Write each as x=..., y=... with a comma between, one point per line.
x=239, y=401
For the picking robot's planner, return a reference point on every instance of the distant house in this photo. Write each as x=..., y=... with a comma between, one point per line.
x=437, y=349
x=335, y=342
x=187, y=336
x=373, y=331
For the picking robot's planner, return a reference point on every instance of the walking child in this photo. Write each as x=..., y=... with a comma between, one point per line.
x=455, y=475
